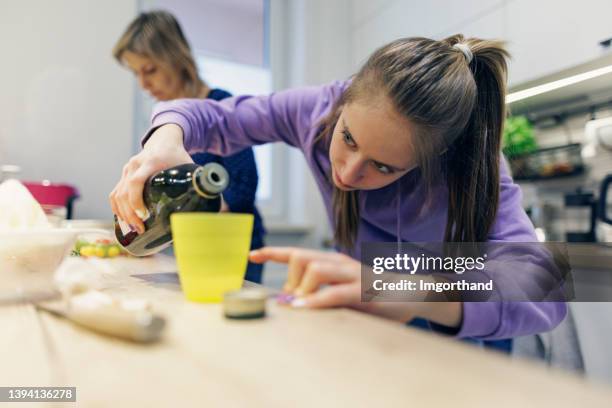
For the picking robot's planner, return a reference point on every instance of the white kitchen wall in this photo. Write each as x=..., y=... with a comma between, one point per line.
x=310, y=45
x=314, y=49
x=66, y=106
x=236, y=24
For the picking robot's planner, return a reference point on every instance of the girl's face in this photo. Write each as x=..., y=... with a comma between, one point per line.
x=370, y=147
x=161, y=82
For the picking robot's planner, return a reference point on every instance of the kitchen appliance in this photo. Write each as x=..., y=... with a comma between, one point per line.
x=604, y=211
x=544, y=216
x=597, y=132
x=587, y=218
x=580, y=216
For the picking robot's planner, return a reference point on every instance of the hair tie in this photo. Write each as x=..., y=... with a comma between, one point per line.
x=465, y=49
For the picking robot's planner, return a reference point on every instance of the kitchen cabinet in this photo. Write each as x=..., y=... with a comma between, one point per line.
x=544, y=36
x=390, y=22
x=490, y=25
x=378, y=23
x=547, y=36
x=474, y=18
x=363, y=10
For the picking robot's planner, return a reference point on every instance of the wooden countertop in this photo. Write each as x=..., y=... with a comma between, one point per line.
x=291, y=358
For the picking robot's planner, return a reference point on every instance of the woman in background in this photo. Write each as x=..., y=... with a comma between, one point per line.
x=155, y=49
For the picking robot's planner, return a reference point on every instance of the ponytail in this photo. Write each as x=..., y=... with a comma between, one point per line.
x=472, y=165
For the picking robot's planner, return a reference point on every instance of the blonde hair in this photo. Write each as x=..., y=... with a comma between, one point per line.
x=158, y=35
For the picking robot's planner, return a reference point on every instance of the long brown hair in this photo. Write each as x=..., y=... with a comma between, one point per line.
x=158, y=35
x=455, y=95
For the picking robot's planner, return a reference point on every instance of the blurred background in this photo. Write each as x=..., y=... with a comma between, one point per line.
x=70, y=114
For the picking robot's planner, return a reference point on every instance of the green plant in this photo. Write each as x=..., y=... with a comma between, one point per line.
x=518, y=138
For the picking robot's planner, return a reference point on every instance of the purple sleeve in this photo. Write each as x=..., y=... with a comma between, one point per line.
x=500, y=320
x=228, y=126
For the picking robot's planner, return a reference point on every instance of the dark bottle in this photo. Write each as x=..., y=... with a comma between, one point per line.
x=184, y=188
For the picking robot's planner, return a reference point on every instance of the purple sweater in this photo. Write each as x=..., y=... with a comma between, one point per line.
x=292, y=117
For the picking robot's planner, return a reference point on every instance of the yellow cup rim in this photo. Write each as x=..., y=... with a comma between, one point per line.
x=210, y=215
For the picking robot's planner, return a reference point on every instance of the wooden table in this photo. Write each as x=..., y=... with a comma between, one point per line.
x=291, y=358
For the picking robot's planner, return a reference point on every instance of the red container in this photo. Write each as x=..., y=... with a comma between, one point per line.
x=54, y=195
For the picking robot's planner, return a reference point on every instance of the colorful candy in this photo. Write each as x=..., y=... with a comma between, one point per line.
x=100, y=248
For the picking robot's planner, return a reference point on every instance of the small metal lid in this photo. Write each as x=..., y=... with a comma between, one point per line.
x=245, y=303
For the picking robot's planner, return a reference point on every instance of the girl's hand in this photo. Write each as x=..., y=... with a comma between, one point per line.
x=164, y=149
x=309, y=270
x=323, y=279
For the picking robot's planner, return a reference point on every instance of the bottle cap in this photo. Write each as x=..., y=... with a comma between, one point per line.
x=247, y=303
x=210, y=179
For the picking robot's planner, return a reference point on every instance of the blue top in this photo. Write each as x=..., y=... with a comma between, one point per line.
x=240, y=193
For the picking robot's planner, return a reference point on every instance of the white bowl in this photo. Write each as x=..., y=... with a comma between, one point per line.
x=29, y=258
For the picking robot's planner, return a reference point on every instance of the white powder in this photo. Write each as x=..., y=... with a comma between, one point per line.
x=19, y=209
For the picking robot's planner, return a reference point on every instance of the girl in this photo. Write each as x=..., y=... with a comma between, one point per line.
x=154, y=48
x=408, y=149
